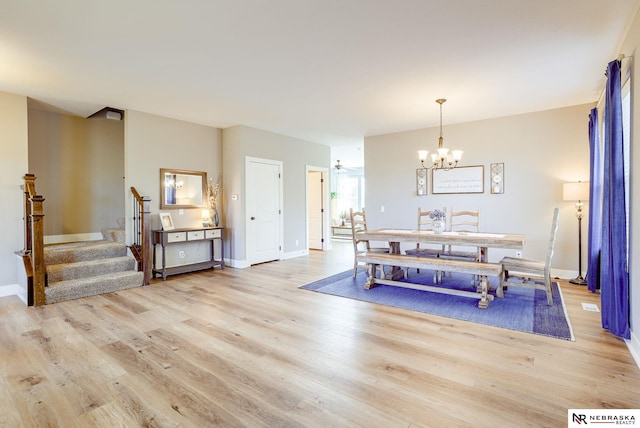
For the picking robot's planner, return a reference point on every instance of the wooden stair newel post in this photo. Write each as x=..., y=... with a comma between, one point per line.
x=147, y=245
x=37, y=249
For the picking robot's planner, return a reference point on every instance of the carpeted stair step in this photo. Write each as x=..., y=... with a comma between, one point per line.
x=76, y=288
x=83, y=251
x=83, y=269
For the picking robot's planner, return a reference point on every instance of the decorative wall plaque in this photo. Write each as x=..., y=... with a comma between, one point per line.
x=497, y=178
x=421, y=181
x=462, y=179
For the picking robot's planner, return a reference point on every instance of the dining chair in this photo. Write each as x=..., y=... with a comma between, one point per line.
x=425, y=223
x=464, y=222
x=359, y=223
x=527, y=273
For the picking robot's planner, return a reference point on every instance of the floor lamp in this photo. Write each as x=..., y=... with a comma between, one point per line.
x=577, y=192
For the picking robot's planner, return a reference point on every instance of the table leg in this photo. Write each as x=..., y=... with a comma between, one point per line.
x=396, y=272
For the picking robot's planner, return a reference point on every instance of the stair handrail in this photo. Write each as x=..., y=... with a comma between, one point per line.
x=142, y=232
x=34, y=241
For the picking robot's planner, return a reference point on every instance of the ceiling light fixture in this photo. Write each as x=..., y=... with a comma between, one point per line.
x=443, y=159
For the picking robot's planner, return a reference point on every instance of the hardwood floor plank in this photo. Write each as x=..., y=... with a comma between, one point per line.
x=248, y=348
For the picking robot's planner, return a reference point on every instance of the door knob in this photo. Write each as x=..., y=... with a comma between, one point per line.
x=253, y=218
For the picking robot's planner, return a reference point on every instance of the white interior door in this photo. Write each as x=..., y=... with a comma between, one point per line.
x=263, y=181
x=315, y=210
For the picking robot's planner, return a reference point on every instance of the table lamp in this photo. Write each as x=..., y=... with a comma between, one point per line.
x=577, y=192
x=206, y=217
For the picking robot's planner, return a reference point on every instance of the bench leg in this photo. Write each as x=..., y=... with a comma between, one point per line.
x=484, y=299
x=371, y=275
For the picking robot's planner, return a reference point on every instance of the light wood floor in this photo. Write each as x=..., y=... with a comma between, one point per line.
x=246, y=347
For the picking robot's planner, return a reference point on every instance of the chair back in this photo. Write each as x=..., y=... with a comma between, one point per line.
x=552, y=242
x=424, y=221
x=358, y=223
x=463, y=221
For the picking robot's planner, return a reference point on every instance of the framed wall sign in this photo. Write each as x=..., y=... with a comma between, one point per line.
x=462, y=179
x=421, y=181
x=497, y=178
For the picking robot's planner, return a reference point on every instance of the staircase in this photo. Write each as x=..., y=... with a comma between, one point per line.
x=81, y=269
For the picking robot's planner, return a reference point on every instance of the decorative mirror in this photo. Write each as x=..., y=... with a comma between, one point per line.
x=182, y=189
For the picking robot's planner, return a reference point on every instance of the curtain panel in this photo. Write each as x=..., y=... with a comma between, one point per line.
x=614, y=276
x=595, y=204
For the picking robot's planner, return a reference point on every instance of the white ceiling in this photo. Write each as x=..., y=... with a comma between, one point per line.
x=327, y=71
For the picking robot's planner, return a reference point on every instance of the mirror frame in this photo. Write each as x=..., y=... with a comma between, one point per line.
x=163, y=202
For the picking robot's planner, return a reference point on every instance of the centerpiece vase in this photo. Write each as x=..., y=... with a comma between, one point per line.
x=438, y=226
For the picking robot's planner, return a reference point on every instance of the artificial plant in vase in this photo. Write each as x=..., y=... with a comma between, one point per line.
x=213, y=190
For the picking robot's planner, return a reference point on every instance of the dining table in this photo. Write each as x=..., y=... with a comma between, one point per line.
x=481, y=240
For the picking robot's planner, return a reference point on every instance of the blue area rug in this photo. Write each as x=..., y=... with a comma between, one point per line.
x=521, y=309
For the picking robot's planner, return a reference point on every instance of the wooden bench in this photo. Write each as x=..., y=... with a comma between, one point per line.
x=483, y=270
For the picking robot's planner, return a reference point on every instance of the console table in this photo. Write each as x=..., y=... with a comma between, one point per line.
x=177, y=236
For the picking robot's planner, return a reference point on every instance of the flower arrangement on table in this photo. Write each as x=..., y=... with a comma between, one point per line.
x=436, y=215
x=438, y=221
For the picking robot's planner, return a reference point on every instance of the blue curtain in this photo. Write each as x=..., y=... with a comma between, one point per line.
x=595, y=204
x=614, y=278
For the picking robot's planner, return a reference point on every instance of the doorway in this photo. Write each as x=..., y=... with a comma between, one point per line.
x=317, y=212
x=264, y=210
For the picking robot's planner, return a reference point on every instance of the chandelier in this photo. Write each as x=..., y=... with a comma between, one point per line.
x=443, y=159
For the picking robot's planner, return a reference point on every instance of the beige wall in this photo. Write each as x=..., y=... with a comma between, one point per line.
x=243, y=141
x=79, y=165
x=153, y=142
x=13, y=166
x=540, y=152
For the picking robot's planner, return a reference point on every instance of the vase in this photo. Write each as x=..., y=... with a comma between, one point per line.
x=214, y=217
x=438, y=226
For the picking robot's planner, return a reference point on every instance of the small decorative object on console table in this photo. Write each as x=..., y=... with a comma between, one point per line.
x=438, y=221
x=166, y=221
x=206, y=218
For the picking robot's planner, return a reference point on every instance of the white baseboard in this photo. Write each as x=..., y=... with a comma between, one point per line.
x=59, y=239
x=294, y=254
x=634, y=348
x=564, y=274
x=242, y=264
x=239, y=264
x=13, y=290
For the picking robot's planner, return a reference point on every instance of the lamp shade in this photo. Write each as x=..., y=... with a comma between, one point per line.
x=576, y=191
